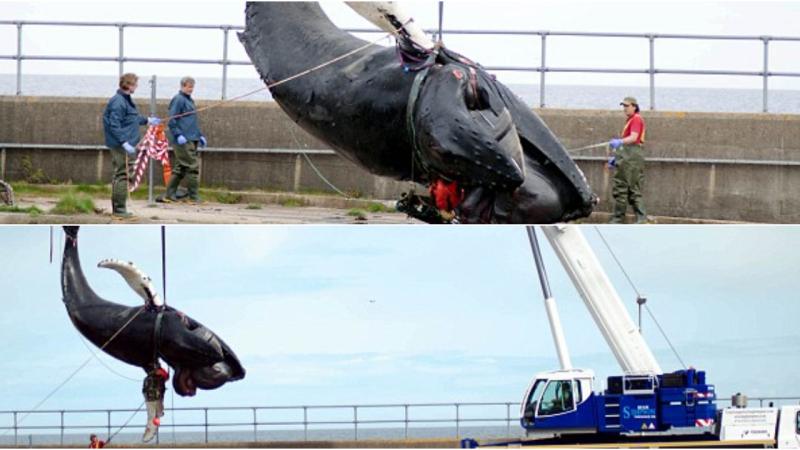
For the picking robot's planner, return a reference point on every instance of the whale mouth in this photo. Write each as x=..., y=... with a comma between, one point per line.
x=188, y=380
x=184, y=383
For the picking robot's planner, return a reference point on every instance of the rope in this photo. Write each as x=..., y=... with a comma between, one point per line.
x=129, y=200
x=638, y=294
x=286, y=80
x=323, y=178
x=602, y=144
x=104, y=364
x=665, y=336
x=76, y=371
x=319, y=174
x=126, y=423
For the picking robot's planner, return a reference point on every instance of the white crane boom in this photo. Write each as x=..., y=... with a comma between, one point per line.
x=602, y=300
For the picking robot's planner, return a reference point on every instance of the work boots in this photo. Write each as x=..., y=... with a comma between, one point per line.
x=119, y=211
x=172, y=189
x=618, y=215
x=641, y=213
x=194, y=191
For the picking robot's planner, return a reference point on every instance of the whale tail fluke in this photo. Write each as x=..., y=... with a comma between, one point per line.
x=72, y=231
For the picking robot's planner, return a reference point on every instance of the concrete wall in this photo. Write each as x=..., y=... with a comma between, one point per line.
x=711, y=173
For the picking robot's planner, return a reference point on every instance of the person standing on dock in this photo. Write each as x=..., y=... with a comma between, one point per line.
x=629, y=161
x=184, y=127
x=95, y=443
x=121, y=122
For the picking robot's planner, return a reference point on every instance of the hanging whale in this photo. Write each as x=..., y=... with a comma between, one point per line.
x=412, y=113
x=137, y=336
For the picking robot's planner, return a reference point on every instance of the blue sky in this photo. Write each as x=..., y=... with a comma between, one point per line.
x=326, y=315
x=729, y=17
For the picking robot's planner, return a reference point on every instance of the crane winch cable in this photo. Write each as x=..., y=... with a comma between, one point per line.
x=638, y=294
x=164, y=262
x=126, y=423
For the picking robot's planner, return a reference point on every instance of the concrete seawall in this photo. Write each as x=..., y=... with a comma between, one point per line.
x=701, y=165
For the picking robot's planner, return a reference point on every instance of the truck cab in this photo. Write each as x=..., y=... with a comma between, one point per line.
x=560, y=402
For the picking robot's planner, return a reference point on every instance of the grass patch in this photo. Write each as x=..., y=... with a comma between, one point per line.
x=93, y=189
x=253, y=206
x=229, y=198
x=32, y=210
x=71, y=203
x=357, y=214
x=292, y=202
x=377, y=207
x=34, y=175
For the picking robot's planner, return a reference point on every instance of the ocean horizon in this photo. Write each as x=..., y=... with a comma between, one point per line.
x=682, y=99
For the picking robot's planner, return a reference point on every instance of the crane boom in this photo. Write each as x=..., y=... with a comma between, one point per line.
x=550, y=305
x=602, y=300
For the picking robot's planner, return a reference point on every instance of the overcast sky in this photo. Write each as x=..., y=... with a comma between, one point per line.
x=762, y=18
x=373, y=315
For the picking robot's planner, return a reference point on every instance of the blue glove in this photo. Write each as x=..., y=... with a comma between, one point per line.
x=203, y=141
x=181, y=140
x=615, y=143
x=129, y=148
x=612, y=162
x=154, y=121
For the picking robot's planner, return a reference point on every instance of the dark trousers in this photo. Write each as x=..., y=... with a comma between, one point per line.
x=629, y=182
x=188, y=168
x=120, y=182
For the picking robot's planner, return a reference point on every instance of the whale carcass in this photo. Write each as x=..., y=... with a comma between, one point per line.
x=140, y=337
x=441, y=120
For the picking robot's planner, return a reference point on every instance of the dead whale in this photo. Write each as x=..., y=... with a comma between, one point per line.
x=444, y=119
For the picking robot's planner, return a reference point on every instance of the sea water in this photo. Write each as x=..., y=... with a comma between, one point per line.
x=556, y=96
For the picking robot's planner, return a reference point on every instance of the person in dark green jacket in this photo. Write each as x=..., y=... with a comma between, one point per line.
x=184, y=127
x=121, y=122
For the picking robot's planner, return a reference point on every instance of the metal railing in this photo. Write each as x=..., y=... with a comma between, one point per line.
x=543, y=69
x=402, y=418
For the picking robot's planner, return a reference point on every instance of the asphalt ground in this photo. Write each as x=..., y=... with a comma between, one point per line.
x=255, y=208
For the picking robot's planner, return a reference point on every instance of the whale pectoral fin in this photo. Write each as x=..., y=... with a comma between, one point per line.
x=136, y=279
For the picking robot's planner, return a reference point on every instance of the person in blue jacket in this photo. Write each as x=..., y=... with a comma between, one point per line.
x=121, y=122
x=184, y=127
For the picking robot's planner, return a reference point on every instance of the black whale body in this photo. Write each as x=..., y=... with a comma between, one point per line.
x=199, y=357
x=469, y=128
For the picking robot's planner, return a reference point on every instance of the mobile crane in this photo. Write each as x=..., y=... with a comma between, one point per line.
x=644, y=404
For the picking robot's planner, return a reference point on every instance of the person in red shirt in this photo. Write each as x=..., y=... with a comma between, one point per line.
x=96, y=443
x=628, y=159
